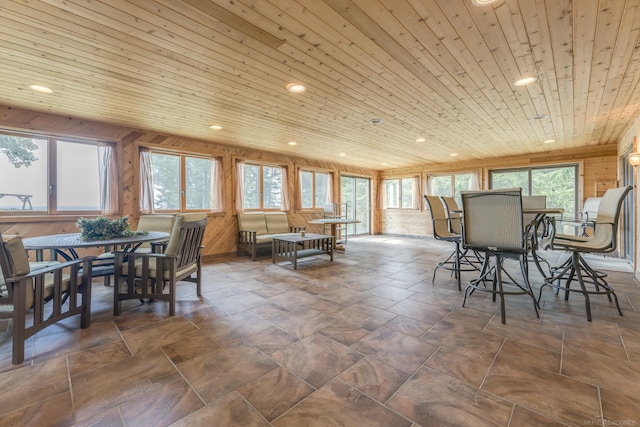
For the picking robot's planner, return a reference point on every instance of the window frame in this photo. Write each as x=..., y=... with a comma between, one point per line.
x=314, y=194
x=530, y=169
x=452, y=176
x=261, y=167
x=414, y=179
x=182, y=187
x=52, y=175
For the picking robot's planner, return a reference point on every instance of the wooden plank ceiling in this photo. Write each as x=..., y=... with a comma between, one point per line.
x=442, y=70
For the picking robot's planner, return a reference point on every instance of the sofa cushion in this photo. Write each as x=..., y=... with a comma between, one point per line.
x=277, y=222
x=252, y=221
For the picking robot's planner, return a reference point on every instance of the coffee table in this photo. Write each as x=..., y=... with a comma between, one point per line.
x=292, y=246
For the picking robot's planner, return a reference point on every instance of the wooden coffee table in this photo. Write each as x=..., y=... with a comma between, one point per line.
x=293, y=246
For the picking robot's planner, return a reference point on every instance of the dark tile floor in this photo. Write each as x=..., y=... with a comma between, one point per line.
x=367, y=340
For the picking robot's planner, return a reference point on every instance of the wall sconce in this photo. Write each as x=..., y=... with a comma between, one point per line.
x=634, y=159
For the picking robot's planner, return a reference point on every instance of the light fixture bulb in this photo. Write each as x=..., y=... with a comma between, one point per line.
x=215, y=127
x=41, y=89
x=634, y=159
x=296, y=87
x=481, y=3
x=525, y=81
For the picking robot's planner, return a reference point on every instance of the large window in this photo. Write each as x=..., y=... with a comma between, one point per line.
x=48, y=175
x=401, y=193
x=558, y=183
x=181, y=182
x=262, y=187
x=315, y=189
x=452, y=184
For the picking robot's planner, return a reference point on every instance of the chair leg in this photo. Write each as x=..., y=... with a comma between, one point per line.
x=576, y=267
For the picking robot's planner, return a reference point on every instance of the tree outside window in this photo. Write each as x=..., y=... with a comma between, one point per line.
x=262, y=187
x=181, y=182
x=400, y=193
x=314, y=189
x=451, y=185
x=558, y=183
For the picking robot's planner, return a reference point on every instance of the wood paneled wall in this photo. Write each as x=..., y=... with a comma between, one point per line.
x=598, y=171
x=221, y=234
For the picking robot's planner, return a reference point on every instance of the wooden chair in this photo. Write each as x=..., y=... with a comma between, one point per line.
x=103, y=266
x=24, y=289
x=154, y=275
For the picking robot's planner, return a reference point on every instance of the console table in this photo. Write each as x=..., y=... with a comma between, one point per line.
x=293, y=246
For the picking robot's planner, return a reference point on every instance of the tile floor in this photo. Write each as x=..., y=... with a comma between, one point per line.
x=367, y=340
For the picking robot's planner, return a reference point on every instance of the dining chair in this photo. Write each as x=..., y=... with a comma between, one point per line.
x=104, y=263
x=586, y=218
x=154, y=276
x=26, y=287
x=493, y=224
x=453, y=213
x=603, y=240
x=456, y=262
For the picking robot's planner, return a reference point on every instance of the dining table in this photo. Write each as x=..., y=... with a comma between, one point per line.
x=539, y=220
x=65, y=245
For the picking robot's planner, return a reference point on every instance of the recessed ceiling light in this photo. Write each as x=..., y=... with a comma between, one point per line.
x=481, y=3
x=41, y=89
x=548, y=141
x=292, y=143
x=384, y=163
x=453, y=154
x=420, y=140
x=296, y=87
x=525, y=81
x=342, y=154
x=215, y=127
x=539, y=116
x=375, y=121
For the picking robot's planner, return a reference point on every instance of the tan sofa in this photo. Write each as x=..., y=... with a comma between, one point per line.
x=256, y=228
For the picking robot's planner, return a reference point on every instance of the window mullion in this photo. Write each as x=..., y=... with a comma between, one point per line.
x=52, y=153
x=183, y=183
x=261, y=185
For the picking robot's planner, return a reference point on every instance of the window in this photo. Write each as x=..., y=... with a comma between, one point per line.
x=315, y=189
x=48, y=175
x=558, y=183
x=261, y=187
x=452, y=185
x=401, y=193
x=180, y=182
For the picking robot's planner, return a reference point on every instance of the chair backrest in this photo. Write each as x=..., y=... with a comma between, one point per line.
x=493, y=220
x=186, y=241
x=252, y=221
x=532, y=202
x=438, y=218
x=277, y=222
x=590, y=208
x=455, y=218
x=14, y=261
x=155, y=222
x=606, y=230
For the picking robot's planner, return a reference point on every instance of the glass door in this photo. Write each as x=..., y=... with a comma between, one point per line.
x=355, y=195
